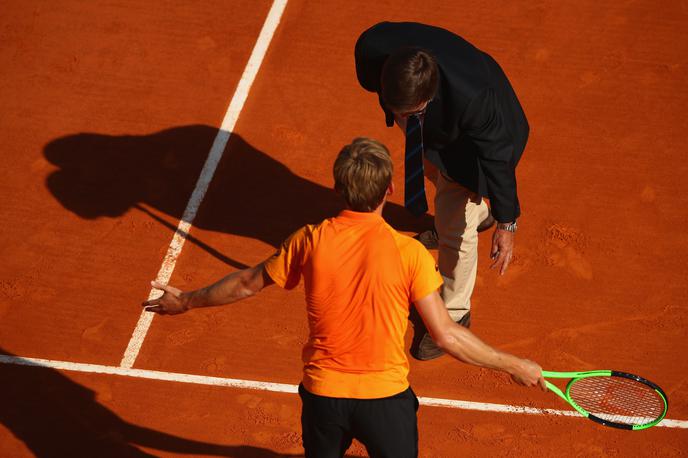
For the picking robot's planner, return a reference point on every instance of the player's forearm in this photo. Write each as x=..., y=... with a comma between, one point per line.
x=462, y=344
x=232, y=288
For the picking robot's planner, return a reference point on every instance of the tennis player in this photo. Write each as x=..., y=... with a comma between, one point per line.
x=360, y=277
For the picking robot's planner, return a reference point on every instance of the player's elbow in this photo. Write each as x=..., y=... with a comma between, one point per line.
x=452, y=341
x=248, y=285
x=246, y=288
x=445, y=340
x=243, y=293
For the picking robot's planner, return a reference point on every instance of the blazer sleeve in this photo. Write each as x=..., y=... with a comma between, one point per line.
x=483, y=123
x=369, y=63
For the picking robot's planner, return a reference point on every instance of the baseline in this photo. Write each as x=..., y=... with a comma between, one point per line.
x=282, y=387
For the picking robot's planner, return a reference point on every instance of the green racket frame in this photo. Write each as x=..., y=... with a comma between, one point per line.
x=603, y=373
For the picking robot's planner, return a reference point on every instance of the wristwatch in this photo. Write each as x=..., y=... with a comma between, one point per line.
x=511, y=227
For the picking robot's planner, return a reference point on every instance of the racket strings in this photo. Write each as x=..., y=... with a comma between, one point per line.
x=617, y=399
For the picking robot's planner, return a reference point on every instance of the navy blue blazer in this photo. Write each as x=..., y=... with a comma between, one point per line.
x=474, y=130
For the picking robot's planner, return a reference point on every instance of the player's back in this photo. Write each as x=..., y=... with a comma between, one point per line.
x=358, y=278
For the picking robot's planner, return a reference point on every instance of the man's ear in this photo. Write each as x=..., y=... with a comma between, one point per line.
x=390, y=188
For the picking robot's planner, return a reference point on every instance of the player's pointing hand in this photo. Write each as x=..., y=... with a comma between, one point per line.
x=172, y=302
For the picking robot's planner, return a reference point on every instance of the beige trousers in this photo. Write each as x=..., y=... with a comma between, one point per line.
x=458, y=212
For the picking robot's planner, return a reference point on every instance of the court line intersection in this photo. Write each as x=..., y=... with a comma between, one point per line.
x=216, y=151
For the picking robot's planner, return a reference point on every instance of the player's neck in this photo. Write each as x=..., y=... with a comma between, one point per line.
x=379, y=208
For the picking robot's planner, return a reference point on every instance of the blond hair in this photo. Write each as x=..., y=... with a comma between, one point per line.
x=362, y=174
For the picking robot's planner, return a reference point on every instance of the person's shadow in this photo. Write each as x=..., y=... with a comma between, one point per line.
x=251, y=194
x=56, y=417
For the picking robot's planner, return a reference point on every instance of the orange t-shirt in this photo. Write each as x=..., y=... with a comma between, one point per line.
x=360, y=277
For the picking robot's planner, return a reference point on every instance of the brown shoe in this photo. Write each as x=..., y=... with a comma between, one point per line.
x=423, y=348
x=487, y=223
x=465, y=320
x=429, y=239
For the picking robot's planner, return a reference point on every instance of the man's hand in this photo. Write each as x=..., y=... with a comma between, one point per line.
x=172, y=302
x=502, y=249
x=528, y=373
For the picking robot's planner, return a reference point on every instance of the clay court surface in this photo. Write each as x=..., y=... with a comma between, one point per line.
x=109, y=111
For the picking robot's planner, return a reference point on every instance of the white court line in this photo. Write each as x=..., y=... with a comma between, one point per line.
x=214, y=156
x=283, y=387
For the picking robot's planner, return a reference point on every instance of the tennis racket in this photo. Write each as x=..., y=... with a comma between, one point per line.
x=613, y=398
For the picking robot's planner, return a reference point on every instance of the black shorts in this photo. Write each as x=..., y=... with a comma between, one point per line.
x=387, y=426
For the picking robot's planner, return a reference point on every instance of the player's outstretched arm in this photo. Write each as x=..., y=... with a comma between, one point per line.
x=235, y=286
x=462, y=344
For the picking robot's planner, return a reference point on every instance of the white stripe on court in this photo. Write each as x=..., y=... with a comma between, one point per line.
x=283, y=387
x=214, y=156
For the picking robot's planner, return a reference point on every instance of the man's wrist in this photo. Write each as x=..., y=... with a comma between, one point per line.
x=512, y=364
x=186, y=300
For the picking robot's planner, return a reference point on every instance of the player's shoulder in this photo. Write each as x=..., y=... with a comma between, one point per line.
x=314, y=232
x=406, y=244
x=304, y=234
x=415, y=258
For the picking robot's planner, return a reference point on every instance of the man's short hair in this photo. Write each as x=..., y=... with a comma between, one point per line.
x=362, y=174
x=409, y=78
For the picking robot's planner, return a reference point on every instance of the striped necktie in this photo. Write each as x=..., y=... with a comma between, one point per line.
x=414, y=188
